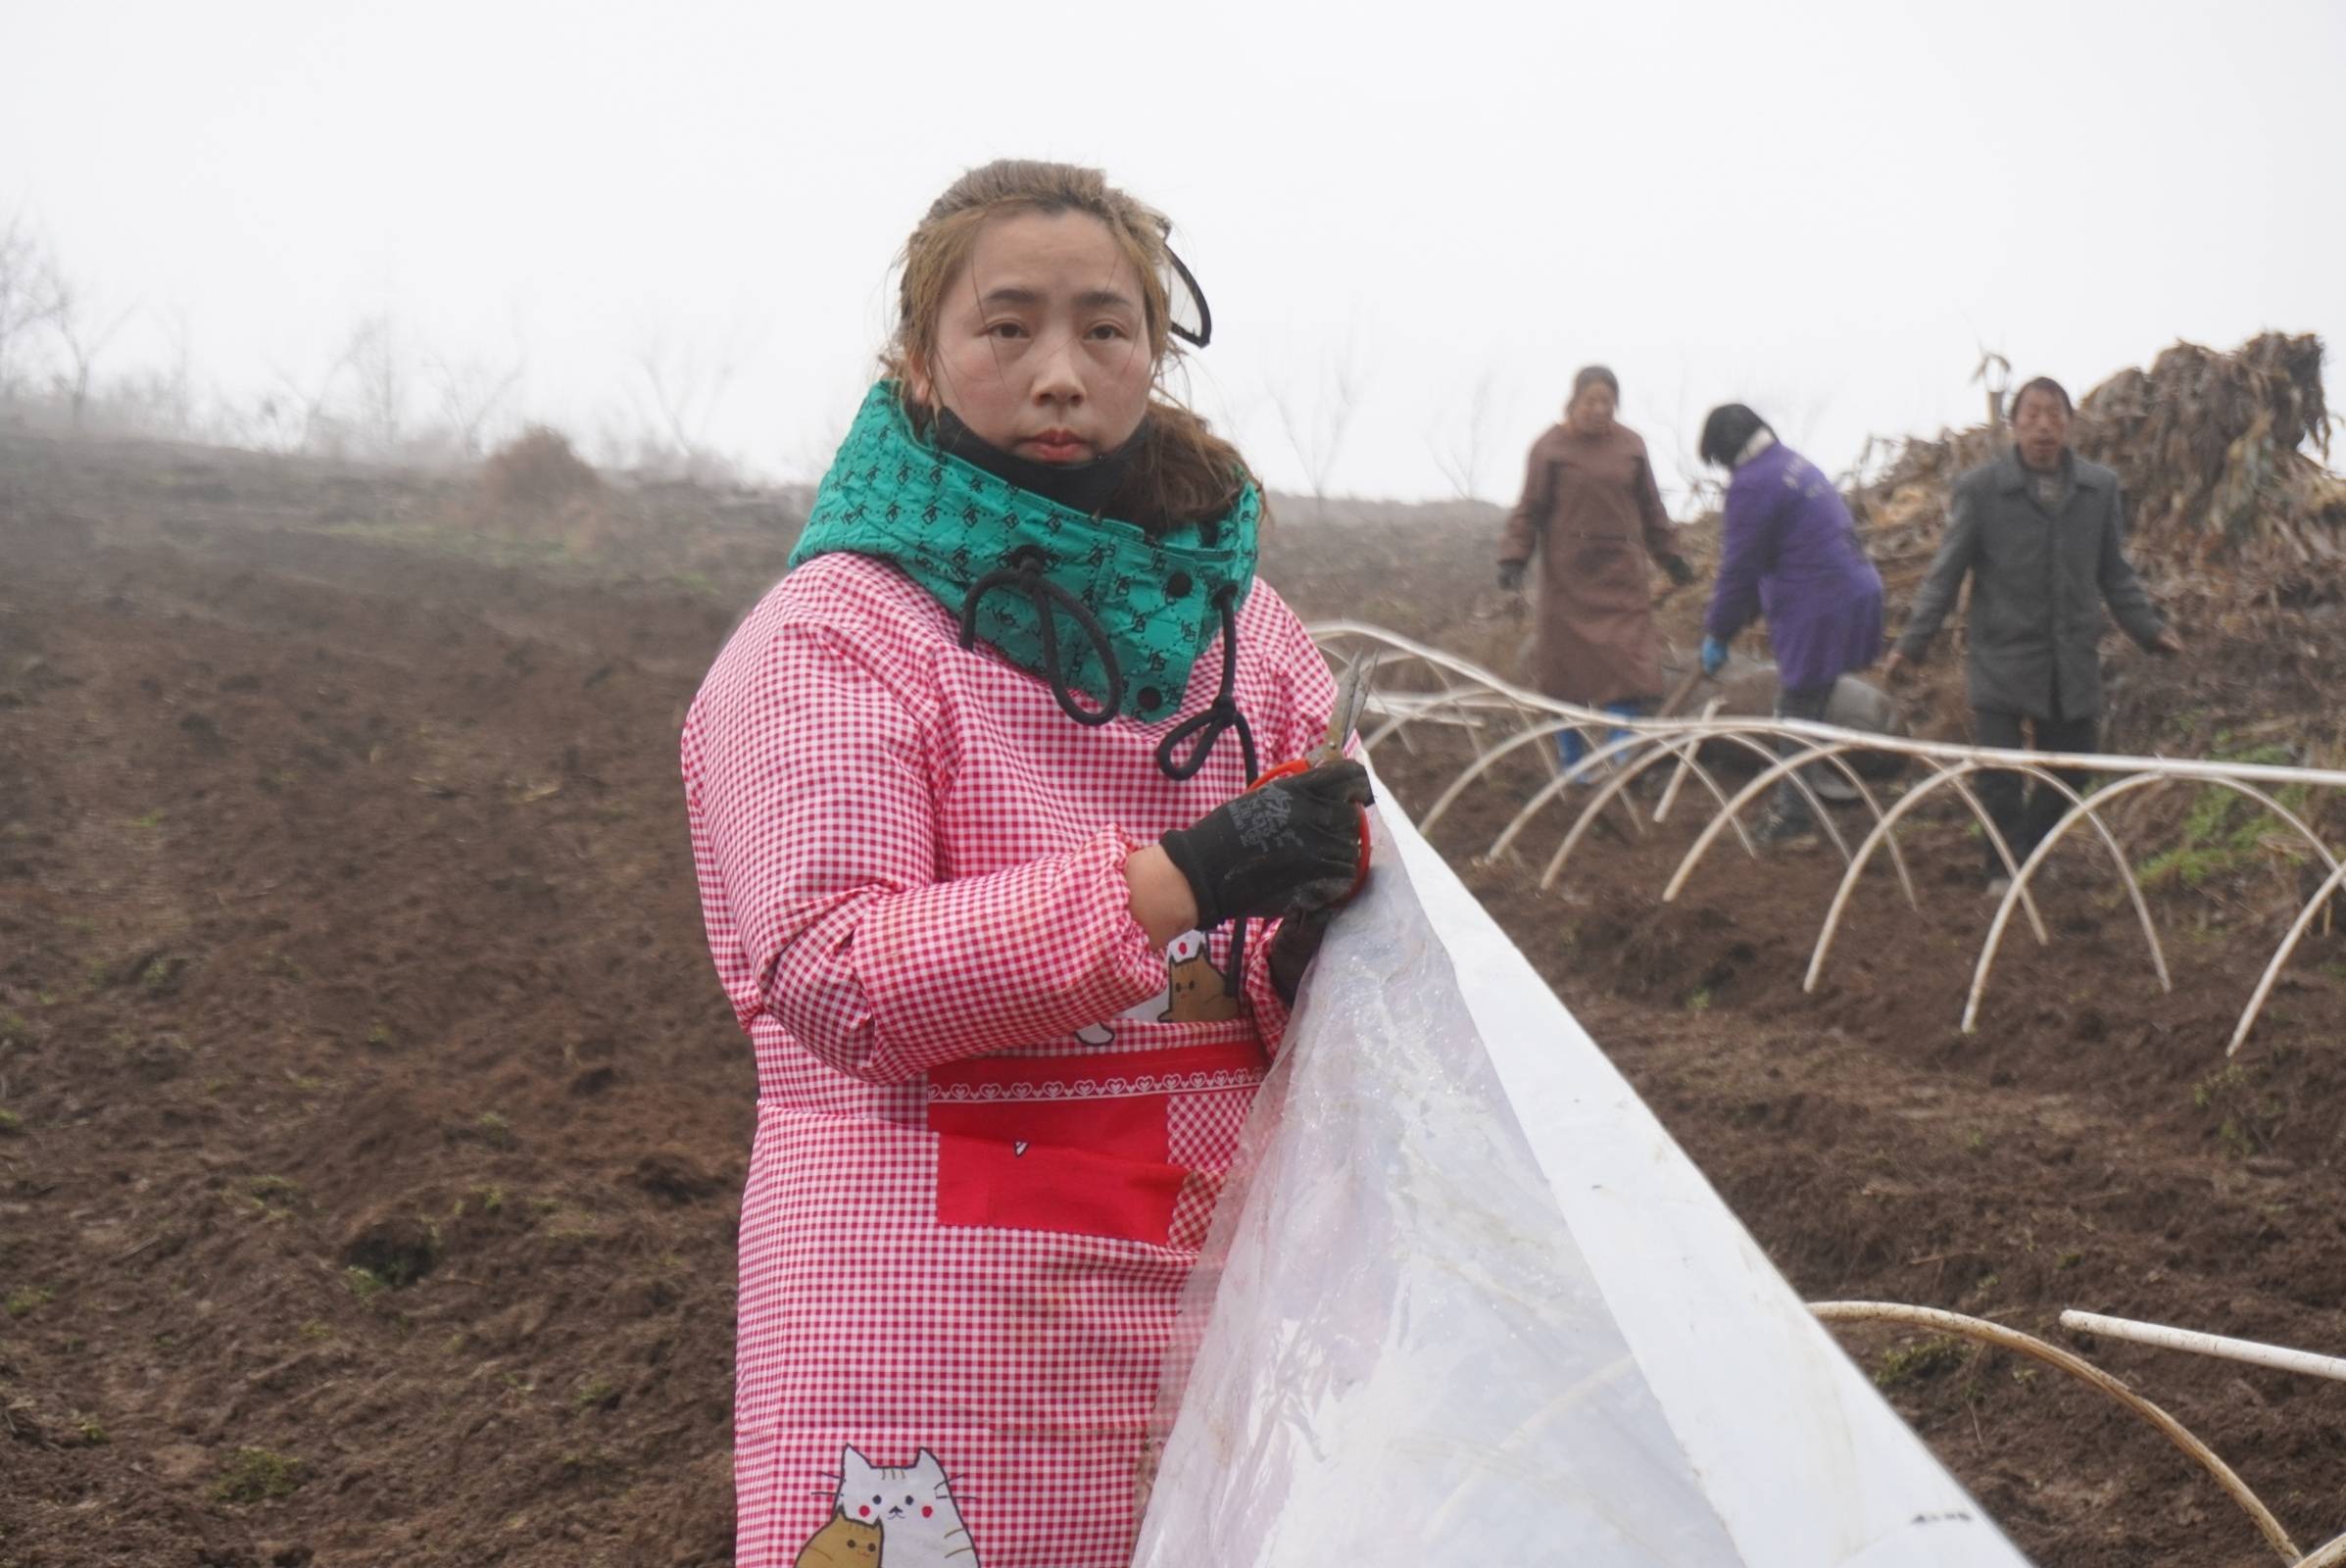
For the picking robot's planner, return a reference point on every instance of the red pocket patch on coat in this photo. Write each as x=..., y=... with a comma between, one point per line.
x=1072, y=1144
x=1039, y=1186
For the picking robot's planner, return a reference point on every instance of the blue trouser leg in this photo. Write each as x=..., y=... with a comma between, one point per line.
x=1572, y=748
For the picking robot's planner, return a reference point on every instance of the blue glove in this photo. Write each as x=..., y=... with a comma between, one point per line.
x=1714, y=655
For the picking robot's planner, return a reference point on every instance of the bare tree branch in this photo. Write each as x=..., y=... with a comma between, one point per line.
x=678, y=392
x=300, y=413
x=27, y=293
x=175, y=385
x=1316, y=429
x=375, y=359
x=469, y=393
x=85, y=333
x=1462, y=454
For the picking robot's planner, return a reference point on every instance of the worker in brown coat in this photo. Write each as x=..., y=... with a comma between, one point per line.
x=1590, y=509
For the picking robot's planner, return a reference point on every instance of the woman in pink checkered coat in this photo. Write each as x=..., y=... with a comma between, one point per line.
x=984, y=881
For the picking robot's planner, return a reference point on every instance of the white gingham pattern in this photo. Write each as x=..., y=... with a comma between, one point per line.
x=908, y=858
x=1202, y=1133
x=1204, y=1128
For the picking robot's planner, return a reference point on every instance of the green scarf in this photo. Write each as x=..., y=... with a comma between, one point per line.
x=946, y=523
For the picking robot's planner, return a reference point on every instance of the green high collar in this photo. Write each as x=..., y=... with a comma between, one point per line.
x=946, y=523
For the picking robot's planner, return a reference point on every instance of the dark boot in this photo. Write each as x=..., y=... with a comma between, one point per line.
x=1785, y=829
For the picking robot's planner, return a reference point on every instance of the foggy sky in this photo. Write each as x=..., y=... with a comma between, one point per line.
x=1826, y=210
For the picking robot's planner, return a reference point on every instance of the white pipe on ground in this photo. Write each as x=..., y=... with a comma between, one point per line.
x=2198, y=1344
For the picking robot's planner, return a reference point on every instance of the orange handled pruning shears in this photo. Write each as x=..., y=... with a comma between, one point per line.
x=1352, y=700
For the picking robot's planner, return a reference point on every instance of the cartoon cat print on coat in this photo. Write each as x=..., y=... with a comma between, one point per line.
x=913, y=1505
x=1194, y=990
x=841, y=1544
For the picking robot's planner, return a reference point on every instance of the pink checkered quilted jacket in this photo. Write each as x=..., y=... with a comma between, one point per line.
x=991, y=1120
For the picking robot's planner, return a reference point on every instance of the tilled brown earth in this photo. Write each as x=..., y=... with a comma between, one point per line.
x=2088, y=1147
x=374, y=1126
x=368, y=1194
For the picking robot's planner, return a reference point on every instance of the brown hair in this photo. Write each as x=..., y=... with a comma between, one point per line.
x=1182, y=472
x=1591, y=375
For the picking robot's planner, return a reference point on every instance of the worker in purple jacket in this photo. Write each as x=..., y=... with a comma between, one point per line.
x=1789, y=554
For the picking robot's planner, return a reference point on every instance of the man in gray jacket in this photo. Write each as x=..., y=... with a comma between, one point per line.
x=2041, y=533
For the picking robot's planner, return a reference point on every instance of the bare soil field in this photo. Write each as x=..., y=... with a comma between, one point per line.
x=371, y=1124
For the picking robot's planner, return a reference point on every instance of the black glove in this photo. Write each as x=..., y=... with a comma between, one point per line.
x=1512, y=575
x=1293, y=843
x=1296, y=944
x=1680, y=573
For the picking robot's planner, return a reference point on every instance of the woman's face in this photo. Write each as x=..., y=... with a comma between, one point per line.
x=1591, y=410
x=1041, y=344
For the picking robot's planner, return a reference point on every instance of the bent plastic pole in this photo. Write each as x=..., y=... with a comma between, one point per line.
x=1684, y=752
x=1776, y=766
x=2280, y=954
x=1948, y=776
x=2091, y=811
x=2076, y=1367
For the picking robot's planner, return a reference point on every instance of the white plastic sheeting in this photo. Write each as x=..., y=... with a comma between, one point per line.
x=1465, y=1301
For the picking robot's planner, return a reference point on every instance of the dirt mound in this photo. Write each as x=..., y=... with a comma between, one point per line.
x=2227, y=504
x=536, y=485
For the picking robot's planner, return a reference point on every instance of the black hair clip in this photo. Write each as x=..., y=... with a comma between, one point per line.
x=1197, y=334
x=1197, y=337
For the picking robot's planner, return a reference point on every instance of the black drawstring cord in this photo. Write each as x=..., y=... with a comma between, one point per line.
x=1220, y=715
x=1025, y=572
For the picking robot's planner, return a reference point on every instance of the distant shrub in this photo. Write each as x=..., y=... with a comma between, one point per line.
x=537, y=474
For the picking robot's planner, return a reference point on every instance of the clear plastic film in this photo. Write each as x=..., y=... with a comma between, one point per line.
x=1396, y=1348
